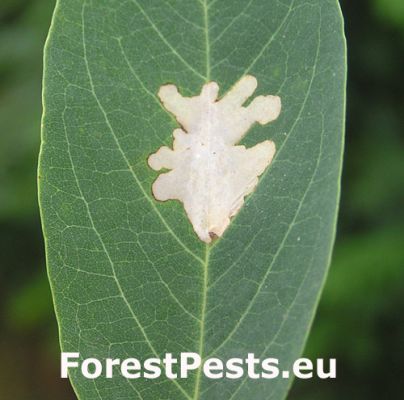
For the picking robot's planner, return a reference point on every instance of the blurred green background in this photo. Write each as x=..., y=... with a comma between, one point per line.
x=360, y=319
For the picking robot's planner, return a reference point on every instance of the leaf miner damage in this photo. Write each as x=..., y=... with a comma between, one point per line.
x=209, y=173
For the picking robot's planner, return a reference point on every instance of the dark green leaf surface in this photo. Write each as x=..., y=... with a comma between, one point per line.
x=129, y=276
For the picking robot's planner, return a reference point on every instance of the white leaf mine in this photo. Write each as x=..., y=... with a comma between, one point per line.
x=209, y=173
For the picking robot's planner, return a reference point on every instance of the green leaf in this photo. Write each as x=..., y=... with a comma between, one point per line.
x=129, y=276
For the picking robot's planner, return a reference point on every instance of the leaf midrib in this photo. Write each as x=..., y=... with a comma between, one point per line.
x=205, y=280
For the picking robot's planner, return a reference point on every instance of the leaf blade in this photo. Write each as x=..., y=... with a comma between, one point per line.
x=120, y=226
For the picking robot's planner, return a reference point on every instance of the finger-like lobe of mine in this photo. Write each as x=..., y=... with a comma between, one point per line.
x=167, y=91
x=154, y=162
x=272, y=108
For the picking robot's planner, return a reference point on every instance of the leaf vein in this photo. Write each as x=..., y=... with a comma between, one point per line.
x=166, y=42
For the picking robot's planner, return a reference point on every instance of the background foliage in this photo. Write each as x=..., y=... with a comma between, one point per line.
x=362, y=307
